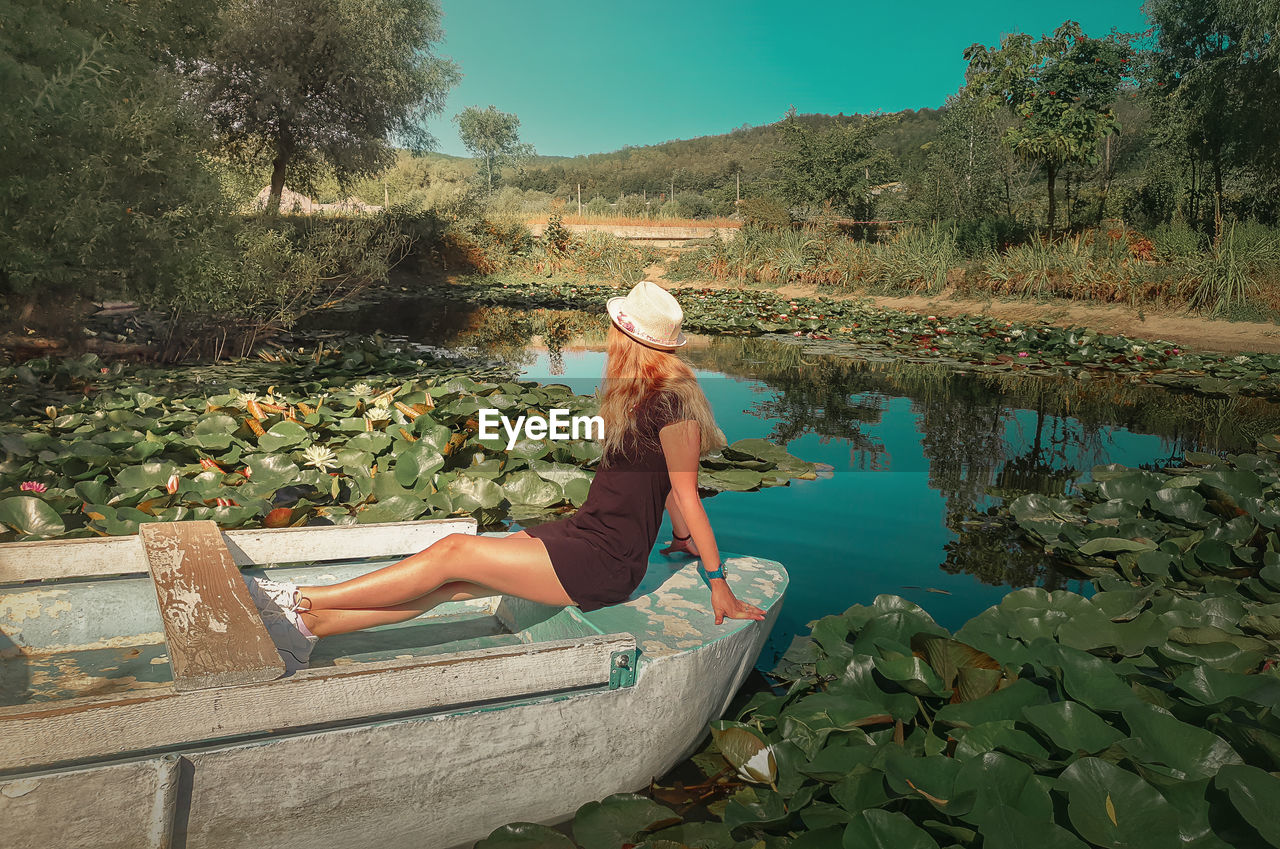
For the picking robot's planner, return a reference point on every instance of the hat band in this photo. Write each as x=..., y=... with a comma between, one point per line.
x=629, y=326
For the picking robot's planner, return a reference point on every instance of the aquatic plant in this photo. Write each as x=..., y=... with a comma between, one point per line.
x=972, y=342
x=363, y=431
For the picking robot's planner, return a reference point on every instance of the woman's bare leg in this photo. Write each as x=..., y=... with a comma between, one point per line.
x=327, y=622
x=515, y=565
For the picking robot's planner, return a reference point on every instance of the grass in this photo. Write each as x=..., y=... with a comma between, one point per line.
x=1107, y=266
x=637, y=221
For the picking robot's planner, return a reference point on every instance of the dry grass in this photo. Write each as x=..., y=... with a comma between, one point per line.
x=638, y=221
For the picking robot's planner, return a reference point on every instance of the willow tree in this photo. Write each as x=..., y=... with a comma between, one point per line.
x=312, y=85
x=1060, y=90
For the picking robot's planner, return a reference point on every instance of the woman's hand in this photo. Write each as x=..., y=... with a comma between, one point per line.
x=682, y=546
x=726, y=605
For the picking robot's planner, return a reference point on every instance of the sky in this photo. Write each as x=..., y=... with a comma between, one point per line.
x=586, y=76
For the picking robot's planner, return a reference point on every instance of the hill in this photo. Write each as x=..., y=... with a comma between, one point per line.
x=708, y=165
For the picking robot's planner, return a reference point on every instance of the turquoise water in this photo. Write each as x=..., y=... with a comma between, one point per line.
x=914, y=459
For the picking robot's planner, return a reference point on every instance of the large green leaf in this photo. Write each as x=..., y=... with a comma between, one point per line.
x=618, y=820
x=398, y=508
x=1116, y=809
x=1157, y=737
x=417, y=464
x=474, y=493
x=751, y=756
x=1072, y=726
x=30, y=516
x=877, y=829
x=285, y=434
x=146, y=475
x=525, y=835
x=527, y=487
x=1256, y=795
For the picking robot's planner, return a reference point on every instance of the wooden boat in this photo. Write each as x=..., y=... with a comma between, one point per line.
x=143, y=705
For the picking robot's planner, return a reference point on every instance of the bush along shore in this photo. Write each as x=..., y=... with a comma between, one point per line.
x=974, y=342
x=355, y=431
x=1142, y=716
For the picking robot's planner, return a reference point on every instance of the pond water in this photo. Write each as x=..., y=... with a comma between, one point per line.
x=919, y=454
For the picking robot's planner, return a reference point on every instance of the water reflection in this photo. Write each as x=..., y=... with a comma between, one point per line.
x=921, y=454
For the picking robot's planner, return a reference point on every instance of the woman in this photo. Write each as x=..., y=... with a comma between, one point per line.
x=657, y=423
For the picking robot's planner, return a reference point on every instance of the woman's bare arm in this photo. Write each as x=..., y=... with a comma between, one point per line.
x=679, y=528
x=681, y=443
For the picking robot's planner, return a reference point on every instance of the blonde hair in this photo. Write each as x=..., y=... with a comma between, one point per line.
x=635, y=371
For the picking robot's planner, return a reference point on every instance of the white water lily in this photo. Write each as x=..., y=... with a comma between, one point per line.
x=377, y=414
x=1240, y=360
x=1016, y=333
x=761, y=768
x=1138, y=349
x=242, y=399
x=320, y=457
x=361, y=389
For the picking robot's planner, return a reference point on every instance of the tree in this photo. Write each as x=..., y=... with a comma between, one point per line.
x=310, y=85
x=493, y=137
x=838, y=164
x=1216, y=79
x=105, y=189
x=1059, y=89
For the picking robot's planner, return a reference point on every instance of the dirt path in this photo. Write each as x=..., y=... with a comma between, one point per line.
x=1187, y=330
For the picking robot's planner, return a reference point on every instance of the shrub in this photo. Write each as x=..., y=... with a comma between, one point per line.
x=1176, y=240
x=764, y=212
x=978, y=236
x=632, y=206
x=599, y=206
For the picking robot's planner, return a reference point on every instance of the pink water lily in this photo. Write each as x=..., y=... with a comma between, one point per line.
x=33, y=486
x=1023, y=354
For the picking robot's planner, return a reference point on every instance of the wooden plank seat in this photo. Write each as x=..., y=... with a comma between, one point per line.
x=213, y=630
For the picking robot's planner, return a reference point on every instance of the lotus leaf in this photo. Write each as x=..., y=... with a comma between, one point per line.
x=528, y=488
x=30, y=517
x=879, y=829
x=525, y=835
x=1113, y=808
x=619, y=819
x=285, y=434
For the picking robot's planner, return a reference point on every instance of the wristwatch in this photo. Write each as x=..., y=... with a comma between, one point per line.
x=719, y=573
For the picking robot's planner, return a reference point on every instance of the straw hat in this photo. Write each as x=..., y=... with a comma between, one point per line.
x=649, y=315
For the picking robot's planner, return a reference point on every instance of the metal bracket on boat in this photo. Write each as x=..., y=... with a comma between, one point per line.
x=622, y=668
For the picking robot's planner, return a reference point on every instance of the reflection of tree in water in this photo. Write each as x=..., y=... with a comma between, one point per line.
x=965, y=422
x=508, y=333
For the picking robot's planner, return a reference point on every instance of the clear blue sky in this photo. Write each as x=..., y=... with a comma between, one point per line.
x=591, y=75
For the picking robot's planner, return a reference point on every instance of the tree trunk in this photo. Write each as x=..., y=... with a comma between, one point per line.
x=278, y=166
x=1053, y=179
x=1217, y=196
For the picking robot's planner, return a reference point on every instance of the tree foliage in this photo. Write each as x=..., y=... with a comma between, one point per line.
x=104, y=187
x=1215, y=82
x=1060, y=89
x=315, y=85
x=836, y=165
x=493, y=137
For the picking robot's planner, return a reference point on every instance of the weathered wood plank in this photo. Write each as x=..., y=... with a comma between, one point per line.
x=81, y=558
x=42, y=735
x=118, y=806
x=215, y=635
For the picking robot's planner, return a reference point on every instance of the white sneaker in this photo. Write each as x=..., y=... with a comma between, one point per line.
x=269, y=595
x=294, y=646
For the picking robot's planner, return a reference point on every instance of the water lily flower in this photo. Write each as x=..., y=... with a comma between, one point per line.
x=1017, y=332
x=377, y=414
x=1240, y=360
x=51, y=411
x=361, y=389
x=33, y=486
x=1023, y=354
x=1137, y=349
x=172, y=486
x=320, y=457
x=242, y=399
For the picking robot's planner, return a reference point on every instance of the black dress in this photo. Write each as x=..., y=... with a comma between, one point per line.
x=601, y=553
